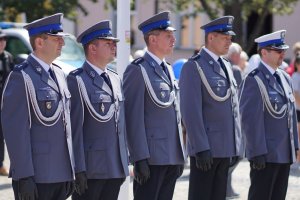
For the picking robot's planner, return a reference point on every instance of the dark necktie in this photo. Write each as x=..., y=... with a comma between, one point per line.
x=51, y=73
x=277, y=77
x=104, y=75
x=223, y=67
x=165, y=69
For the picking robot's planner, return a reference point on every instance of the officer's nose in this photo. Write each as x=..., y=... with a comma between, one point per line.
x=62, y=41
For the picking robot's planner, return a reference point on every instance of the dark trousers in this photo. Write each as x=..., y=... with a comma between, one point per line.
x=160, y=185
x=46, y=191
x=209, y=185
x=101, y=189
x=1, y=144
x=269, y=183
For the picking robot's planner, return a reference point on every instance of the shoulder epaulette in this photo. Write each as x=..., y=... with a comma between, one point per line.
x=253, y=72
x=76, y=72
x=20, y=67
x=138, y=61
x=112, y=70
x=56, y=65
x=195, y=57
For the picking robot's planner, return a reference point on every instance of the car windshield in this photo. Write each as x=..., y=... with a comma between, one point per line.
x=72, y=52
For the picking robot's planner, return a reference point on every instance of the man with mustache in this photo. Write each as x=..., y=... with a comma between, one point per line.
x=153, y=121
x=209, y=107
x=269, y=122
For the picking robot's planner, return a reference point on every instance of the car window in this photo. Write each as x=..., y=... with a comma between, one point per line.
x=15, y=46
x=72, y=53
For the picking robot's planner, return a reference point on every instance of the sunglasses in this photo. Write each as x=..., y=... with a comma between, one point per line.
x=279, y=51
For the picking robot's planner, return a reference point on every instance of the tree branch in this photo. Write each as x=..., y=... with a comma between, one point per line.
x=259, y=26
x=212, y=14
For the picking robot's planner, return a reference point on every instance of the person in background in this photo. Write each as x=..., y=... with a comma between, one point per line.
x=296, y=51
x=154, y=133
x=36, y=118
x=209, y=106
x=269, y=121
x=243, y=64
x=296, y=87
x=234, y=57
x=97, y=117
x=6, y=65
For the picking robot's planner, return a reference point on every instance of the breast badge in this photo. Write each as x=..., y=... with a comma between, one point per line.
x=102, y=108
x=48, y=105
x=162, y=94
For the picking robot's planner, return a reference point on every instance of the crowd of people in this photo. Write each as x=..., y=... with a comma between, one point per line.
x=76, y=135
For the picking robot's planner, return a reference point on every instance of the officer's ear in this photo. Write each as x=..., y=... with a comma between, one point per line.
x=93, y=46
x=263, y=51
x=39, y=41
x=152, y=39
x=210, y=36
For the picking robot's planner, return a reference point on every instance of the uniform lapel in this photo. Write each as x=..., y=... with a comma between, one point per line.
x=287, y=89
x=114, y=84
x=45, y=77
x=96, y=78
x=157, y=68
x=216, y=67
x=271, y=79
x=59, y=78
x=230, y=73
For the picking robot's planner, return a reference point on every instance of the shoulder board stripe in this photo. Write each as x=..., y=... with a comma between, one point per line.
x=76, y=72
x=138, y=61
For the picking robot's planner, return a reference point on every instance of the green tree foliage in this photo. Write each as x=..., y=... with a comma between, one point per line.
x=113, y=4
x=35, y=9
x=241, y=10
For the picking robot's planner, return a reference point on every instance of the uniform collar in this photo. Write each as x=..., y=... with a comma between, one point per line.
x=213, y=55
x=97, y=69
x=45, y=66
x=271, y=70
x=157, y=59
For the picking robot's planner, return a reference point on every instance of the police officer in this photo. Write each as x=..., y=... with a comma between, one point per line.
x=36, y=119
x=268, y=120
x=152, y=112
x=6, y=65
x=209, y=107
x=98, y=119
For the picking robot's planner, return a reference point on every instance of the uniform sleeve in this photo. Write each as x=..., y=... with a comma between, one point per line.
x=252, y=118
x=134, y=92
x=296, y=83
x=295, y=128
x=16, y=128
x=191, y=108
x=76, y=124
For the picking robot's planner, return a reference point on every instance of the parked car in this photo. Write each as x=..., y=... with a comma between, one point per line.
x=72, y=55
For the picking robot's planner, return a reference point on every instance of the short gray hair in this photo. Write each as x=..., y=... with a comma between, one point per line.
x=234, y=48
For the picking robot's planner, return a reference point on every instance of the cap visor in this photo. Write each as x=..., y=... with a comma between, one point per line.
x=110, y=38
x=170, y=29
x=229, y=33
x=59, y=34
x=284, y=46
